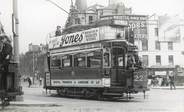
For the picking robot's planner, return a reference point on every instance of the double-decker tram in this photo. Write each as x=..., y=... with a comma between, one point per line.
x=97, y=62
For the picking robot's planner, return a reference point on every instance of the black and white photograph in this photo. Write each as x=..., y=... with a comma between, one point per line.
x=91, y=56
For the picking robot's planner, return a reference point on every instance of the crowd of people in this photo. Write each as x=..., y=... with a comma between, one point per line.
x=32, y=81
x=169, y=80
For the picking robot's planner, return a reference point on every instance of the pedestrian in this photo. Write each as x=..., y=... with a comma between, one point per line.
x=171, y=80
x=29, y=81
x=58, y=31
x=5, y=55
x=40, y=80
x=1, y=48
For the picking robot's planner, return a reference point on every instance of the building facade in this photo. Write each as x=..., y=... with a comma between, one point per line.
x=164, y=45
x=42, y=49
x=160, y=39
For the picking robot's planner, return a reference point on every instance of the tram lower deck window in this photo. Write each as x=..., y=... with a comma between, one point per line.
x=79, y=62
x=67, y=61
x=55, y=61
x=94, y=60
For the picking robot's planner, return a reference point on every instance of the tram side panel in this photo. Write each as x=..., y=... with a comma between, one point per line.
x=76, y=77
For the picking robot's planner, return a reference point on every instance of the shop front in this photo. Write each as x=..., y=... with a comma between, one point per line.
x=159, y=75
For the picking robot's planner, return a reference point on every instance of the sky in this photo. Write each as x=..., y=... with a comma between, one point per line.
x=37, y=18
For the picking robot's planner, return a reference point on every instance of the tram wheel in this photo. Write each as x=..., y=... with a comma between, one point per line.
x=99, y=96
x=86, y=94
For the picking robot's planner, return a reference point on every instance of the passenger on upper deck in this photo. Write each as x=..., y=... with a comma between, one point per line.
x=58, y=31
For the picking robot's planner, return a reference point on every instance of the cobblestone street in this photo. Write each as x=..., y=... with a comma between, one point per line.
x=157, y=100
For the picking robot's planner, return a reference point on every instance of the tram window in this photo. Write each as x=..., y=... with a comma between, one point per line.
x=118, y=57
x=67, y=61
x=106, y=60
x=120, y=61
x=106, y=57
x=94, y=59
x=55, y=61
x=79, y=60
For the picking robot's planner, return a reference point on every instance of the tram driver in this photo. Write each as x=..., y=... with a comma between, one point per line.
x=138, y=61
x=130, y=62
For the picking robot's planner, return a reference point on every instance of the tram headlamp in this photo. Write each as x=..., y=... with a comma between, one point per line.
x=106, y=82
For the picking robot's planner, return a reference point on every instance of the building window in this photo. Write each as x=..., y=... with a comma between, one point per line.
x=171, y=60
x=145, y=60
x=145, y=45
x=90, y=19
x=156, y=31
x=77, y=21
x=170, y=45
x=158, y=60
x=157, y=45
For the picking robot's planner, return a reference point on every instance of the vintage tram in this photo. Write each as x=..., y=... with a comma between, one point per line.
x=94, y=63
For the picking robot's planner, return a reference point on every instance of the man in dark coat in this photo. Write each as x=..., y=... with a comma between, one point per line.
x=29, y=81
x=1, y=48
x=1, y=60
x=6, y=54
x=171, y=80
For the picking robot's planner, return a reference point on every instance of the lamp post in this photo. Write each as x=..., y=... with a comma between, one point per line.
x=15, y=31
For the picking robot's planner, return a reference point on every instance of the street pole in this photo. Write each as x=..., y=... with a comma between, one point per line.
x=33, y=68
x=15, y=30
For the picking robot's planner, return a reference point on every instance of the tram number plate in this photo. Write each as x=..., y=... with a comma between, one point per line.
x=138, y=77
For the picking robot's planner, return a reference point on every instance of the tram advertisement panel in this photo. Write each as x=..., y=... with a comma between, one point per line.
x=137, y=23
x=75, y=38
